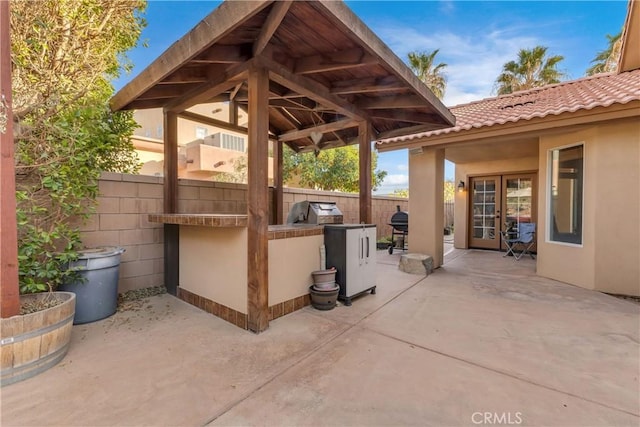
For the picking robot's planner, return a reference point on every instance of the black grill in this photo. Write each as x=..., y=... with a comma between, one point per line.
x=400, y=224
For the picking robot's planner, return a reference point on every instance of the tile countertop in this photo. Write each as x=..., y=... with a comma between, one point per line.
x=283, y=231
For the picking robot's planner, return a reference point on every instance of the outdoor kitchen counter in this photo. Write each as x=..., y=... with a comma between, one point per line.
x=213, y=263
x=284, y=231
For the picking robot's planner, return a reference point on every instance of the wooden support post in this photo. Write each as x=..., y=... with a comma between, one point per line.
x=171, y=231
x=278, y=196
x=258, y=201
x=364, y=136
x=8, y=225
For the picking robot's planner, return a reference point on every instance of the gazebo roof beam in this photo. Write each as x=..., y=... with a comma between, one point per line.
x=323, y=128
x=333, y=61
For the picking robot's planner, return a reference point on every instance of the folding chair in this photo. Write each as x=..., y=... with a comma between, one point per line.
x=524, y=238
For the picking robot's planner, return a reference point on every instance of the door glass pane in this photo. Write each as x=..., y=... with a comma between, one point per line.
x=518, y=201
x=484, y=209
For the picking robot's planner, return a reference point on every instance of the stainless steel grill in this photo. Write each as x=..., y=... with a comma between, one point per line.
x=308, y=212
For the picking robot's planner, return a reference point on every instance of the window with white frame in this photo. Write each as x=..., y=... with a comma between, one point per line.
x=232, y=142
x=566, y=182
x=201, y=132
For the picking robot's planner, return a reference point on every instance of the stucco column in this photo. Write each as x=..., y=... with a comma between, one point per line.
x=426, y=203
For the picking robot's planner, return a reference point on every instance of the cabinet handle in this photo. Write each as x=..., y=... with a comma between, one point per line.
x=367, y=246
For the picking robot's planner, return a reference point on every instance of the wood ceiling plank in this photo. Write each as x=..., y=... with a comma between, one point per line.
x=163, y=91
x=367, y=85
x=224, y=54
x=333, y=61
x=186, y=75
x=407, y=116
x=385, y=102
x=323, y=128
x=278, y=12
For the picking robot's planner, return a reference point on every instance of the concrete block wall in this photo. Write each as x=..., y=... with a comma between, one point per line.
x=125, y=201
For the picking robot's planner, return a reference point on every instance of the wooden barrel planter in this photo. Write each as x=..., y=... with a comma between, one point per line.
x=32, y=343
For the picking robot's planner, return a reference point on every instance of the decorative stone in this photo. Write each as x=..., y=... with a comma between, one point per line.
x=416, y=264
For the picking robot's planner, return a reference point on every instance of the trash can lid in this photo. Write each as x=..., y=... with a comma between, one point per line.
x=100, y=252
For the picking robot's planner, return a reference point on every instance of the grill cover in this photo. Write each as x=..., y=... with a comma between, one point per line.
x=400, y=220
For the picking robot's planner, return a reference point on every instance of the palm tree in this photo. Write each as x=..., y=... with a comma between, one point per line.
x=533, y=69
x=606, y=60
x=422, y=64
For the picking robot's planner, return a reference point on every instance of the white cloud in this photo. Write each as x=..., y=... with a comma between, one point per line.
x=474, y=61
x=396, y=179
x=403, y=167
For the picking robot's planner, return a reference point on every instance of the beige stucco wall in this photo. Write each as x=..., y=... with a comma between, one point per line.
x=426, y=186
x=291, y=262
x=466, y=170
x=609, y=258
x=213, y=264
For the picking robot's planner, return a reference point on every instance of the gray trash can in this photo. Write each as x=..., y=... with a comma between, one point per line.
x=97, y=289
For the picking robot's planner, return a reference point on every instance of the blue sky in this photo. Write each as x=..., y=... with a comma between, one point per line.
x=475, y=39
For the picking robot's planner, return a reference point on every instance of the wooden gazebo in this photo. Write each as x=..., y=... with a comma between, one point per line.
x=310, y=74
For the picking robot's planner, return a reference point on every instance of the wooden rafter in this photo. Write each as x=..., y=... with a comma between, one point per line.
x=223, y=54
x=277, y=14
x=333, y=61
x=199, y=118
x=310, y=88
x=323, y=128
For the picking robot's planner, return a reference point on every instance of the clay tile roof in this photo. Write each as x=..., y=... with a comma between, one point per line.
x=586, y=93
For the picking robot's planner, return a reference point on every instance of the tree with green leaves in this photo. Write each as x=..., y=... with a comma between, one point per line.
x=532, y=69
x=335, y=169
x=64, y=55
x=606, y=61
x=432, y=75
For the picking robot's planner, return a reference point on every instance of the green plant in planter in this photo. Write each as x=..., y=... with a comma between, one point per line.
x=64, y=55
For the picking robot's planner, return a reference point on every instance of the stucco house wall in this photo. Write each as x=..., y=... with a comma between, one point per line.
x=608, y=258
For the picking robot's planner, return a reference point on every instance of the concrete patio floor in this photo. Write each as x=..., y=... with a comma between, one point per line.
x=481, y=335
